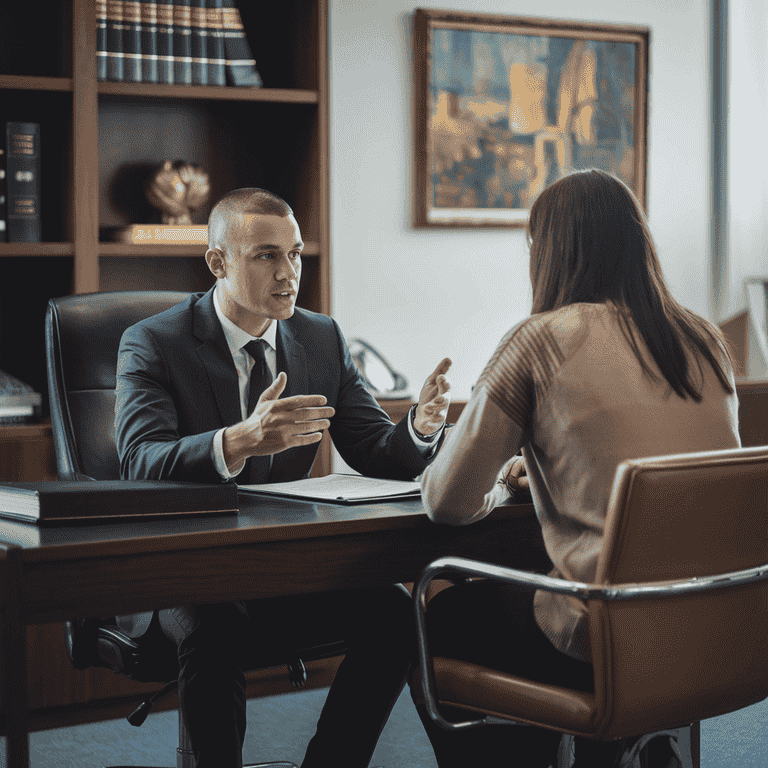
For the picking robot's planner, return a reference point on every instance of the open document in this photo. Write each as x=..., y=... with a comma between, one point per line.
x=340, y=489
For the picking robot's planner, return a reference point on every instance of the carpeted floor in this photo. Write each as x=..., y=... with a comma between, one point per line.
x=281, y=726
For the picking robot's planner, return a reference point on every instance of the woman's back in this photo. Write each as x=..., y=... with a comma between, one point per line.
x=567, y=387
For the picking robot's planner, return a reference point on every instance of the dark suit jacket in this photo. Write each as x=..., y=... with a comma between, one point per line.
x=177, y=385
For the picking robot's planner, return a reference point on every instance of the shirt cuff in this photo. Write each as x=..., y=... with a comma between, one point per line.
x=217, y=449
x=426, y=447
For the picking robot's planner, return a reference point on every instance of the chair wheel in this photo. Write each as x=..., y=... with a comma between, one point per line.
x=297, y=673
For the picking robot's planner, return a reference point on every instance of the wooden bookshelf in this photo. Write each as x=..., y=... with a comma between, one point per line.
x=98, y=142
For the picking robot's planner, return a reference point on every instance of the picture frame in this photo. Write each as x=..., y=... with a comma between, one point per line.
x=504, y=105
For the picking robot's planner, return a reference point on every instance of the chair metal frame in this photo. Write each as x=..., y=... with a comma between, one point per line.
x=597, y=595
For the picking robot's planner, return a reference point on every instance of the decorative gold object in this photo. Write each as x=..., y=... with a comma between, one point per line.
x=176, y=188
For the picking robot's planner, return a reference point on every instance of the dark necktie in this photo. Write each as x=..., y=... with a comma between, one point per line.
x=257, y=467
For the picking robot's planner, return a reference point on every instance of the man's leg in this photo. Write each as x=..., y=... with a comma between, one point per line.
x=377, y=626
x=211, y=641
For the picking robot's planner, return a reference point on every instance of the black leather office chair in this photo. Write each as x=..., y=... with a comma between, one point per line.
x=82, y=340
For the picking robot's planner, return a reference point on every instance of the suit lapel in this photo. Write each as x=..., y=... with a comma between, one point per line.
x=291, y=358
x=217, y=360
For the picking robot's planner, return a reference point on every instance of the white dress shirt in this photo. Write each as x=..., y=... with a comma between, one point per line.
x=237, y=338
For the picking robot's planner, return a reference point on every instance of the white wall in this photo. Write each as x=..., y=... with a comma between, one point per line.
x=747, y=165
x=419, y=295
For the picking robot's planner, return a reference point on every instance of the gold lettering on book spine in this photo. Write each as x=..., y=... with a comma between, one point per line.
x=182, y=14
x=164, y=14
x=148, y=13
x=114, y=11
x=132, y=12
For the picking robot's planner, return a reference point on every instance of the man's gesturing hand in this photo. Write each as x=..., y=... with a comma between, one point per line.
x=276, y=425
x=434, y=400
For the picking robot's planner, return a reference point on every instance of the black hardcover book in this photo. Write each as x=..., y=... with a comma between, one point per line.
x=3, y=196
x=115, y=61
x=101, y=39
x=217, y=63
x=61, y=502
x=148, y=13
x=165, y=65
x=23, y=180
x=199, y=22
x=132, y=41
x=241, y=67
x=182, y=42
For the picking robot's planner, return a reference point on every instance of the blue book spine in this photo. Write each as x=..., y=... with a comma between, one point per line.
x=101, y=39
x=115, y=64
x=165, y=65
x=199, y=43
x=149, y=71
x=132, y=41
x=241, y=67
x=23, y=177
x=217, y=63
x=182, y=42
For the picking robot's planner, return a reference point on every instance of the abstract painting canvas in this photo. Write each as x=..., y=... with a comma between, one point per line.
x=506, y=105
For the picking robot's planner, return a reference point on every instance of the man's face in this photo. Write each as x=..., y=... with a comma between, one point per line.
x=260, y=270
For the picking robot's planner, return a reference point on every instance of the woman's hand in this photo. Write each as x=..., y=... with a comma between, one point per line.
x=514, y=476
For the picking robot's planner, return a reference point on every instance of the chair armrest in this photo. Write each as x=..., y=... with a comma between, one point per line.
x=534, y=581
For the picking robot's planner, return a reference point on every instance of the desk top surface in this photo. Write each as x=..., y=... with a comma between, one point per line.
x=261, y=519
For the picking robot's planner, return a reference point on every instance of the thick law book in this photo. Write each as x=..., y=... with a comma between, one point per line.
x=148, y=12
x=165, y=59
x=182, y=42
x=101, y=39
x=132, y=41
x=217, y=60
x=115, y=60
x=199, y=42
x=23, y=181
x=241, y=66
x=61, y=502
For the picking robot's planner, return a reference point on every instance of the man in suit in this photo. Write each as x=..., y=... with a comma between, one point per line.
x=240, y=383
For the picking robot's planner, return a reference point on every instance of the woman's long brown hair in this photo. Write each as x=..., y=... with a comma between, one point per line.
x=590, y=242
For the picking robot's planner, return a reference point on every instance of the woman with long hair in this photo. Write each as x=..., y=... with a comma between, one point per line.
x=609, y=366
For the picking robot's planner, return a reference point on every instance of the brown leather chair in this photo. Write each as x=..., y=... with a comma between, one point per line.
x=82, y=340
x=678, y=613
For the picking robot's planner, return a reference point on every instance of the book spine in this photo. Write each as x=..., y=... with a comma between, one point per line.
x=132, y=41
x=149, y=70
x=23, y=177
x=217, y=65
x=101, y=39
x=3, y=197
x=199, y=43
x=182, y=42
x=115, y=62
x=165, y=65
x=241, y=67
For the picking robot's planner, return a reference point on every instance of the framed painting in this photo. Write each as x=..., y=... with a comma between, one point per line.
x=505, y=105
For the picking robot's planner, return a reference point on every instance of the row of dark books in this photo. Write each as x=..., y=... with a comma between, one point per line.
x=20, y=182
x=183, y=42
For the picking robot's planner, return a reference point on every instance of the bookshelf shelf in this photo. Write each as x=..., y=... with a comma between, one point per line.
x=23, y=83
x=205, y=92
x=36, y=249
x=143, y=251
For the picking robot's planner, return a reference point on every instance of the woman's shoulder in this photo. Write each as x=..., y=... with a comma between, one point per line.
x=563, y=325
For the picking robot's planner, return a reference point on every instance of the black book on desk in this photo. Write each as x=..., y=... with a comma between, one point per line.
x=62, y=502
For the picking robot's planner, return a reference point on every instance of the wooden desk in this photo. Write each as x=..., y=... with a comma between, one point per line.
x=271, y=548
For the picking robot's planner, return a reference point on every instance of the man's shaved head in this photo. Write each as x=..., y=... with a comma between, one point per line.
x=240, y=201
